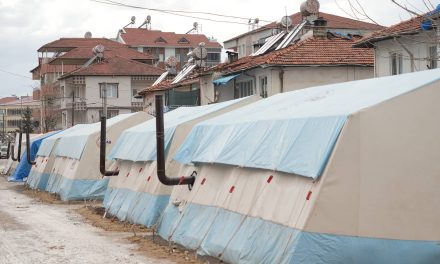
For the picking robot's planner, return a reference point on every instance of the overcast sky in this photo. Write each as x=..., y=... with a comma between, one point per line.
x=25, y=25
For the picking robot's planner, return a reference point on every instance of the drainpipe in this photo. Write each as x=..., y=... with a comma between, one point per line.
x=28, y=150
x=282, y=80
x=7, y=152
x=411, y=55
x=160, y=150
x=19, y=148
x=102, y=145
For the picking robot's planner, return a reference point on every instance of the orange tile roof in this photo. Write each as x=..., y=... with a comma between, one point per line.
x=5, y=100
x=116, y=66
x=410, y=26
x=144, y=37
x=87, y=53
x=333, y=22
x=67, y=44
x=330, y=51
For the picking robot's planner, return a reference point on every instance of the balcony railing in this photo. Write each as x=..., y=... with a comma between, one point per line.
x=77, y=106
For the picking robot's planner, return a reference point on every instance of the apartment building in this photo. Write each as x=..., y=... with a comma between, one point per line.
x=12, y=109
x=71, y=55
x=163, y=45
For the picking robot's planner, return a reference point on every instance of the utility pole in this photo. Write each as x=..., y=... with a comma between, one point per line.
x=4, y=128
x=73, y=108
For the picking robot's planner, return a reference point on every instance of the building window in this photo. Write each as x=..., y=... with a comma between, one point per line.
x=433, y=57
x=396, y=63
x=263, y=87
x=110, y=88
x=14, y=123
x=245, y=88
x=213, y=57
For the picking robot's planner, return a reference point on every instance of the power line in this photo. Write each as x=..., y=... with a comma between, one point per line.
x=15, y=74
x=181, y=12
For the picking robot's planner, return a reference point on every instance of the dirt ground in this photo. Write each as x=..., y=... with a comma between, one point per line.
x=32, y=231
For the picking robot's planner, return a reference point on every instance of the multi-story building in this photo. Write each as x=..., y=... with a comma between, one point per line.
x=116, y=78
x=412, y=45
x=67, y=55
x=12, y=109
x=163, y=45
x=249, y=42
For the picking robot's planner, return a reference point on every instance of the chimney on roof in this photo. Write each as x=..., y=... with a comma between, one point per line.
x=232, y=55
x=320, y=28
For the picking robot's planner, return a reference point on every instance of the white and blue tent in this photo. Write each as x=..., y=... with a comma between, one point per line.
x=75, y=172
x=136, y=195
x=342, y=173
x=45, y=157
x=23, y=168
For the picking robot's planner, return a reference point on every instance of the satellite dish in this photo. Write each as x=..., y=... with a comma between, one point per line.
x=148, y=20
x=200, y=53
x=133, y=19
x=98, y=49
x=286, y=21
x=310, y=7
x=88, y=34
x=171, y=61
x=195, y=25
x=257, y=20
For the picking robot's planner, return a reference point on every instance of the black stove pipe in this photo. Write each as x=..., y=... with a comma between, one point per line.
x=28, y=150
x=102, y=147
x=160, y=140
x=19, y=148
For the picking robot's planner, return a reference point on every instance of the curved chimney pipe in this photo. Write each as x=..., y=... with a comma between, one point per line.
x=28, y=150
x=19, y=148
x=7, y=151
x=102, y=146
x=160, y=150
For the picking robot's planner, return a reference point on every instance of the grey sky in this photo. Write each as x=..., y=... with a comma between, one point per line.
x=28, y=24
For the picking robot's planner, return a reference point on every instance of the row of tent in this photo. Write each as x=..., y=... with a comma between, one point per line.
x=342, y=173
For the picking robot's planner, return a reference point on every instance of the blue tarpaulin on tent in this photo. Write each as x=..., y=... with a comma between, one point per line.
x=23, y=168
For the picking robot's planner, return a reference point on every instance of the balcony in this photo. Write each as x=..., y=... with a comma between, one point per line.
x=77, y=106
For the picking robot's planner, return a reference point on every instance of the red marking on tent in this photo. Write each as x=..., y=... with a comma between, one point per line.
x=149, y=178
x=270, y=179
x=181, y=179
x=127, y=174
x=203, y=181
x=308, y=195
x=140, y=170
x=232, y=189
x=117, y=168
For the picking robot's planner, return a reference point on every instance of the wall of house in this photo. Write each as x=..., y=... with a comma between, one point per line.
x=294, y=78
x=417, y=45
x=304, y=77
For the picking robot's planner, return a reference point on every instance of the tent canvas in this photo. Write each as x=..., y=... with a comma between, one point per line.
x=23, y=169
x=75, y=173
x=45, y=159
x=136, y=195
x=365, y=206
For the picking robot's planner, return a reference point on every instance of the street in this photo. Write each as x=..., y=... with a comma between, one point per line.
x=33, y=232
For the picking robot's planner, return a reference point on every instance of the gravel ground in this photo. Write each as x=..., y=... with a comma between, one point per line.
x=33, y=232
